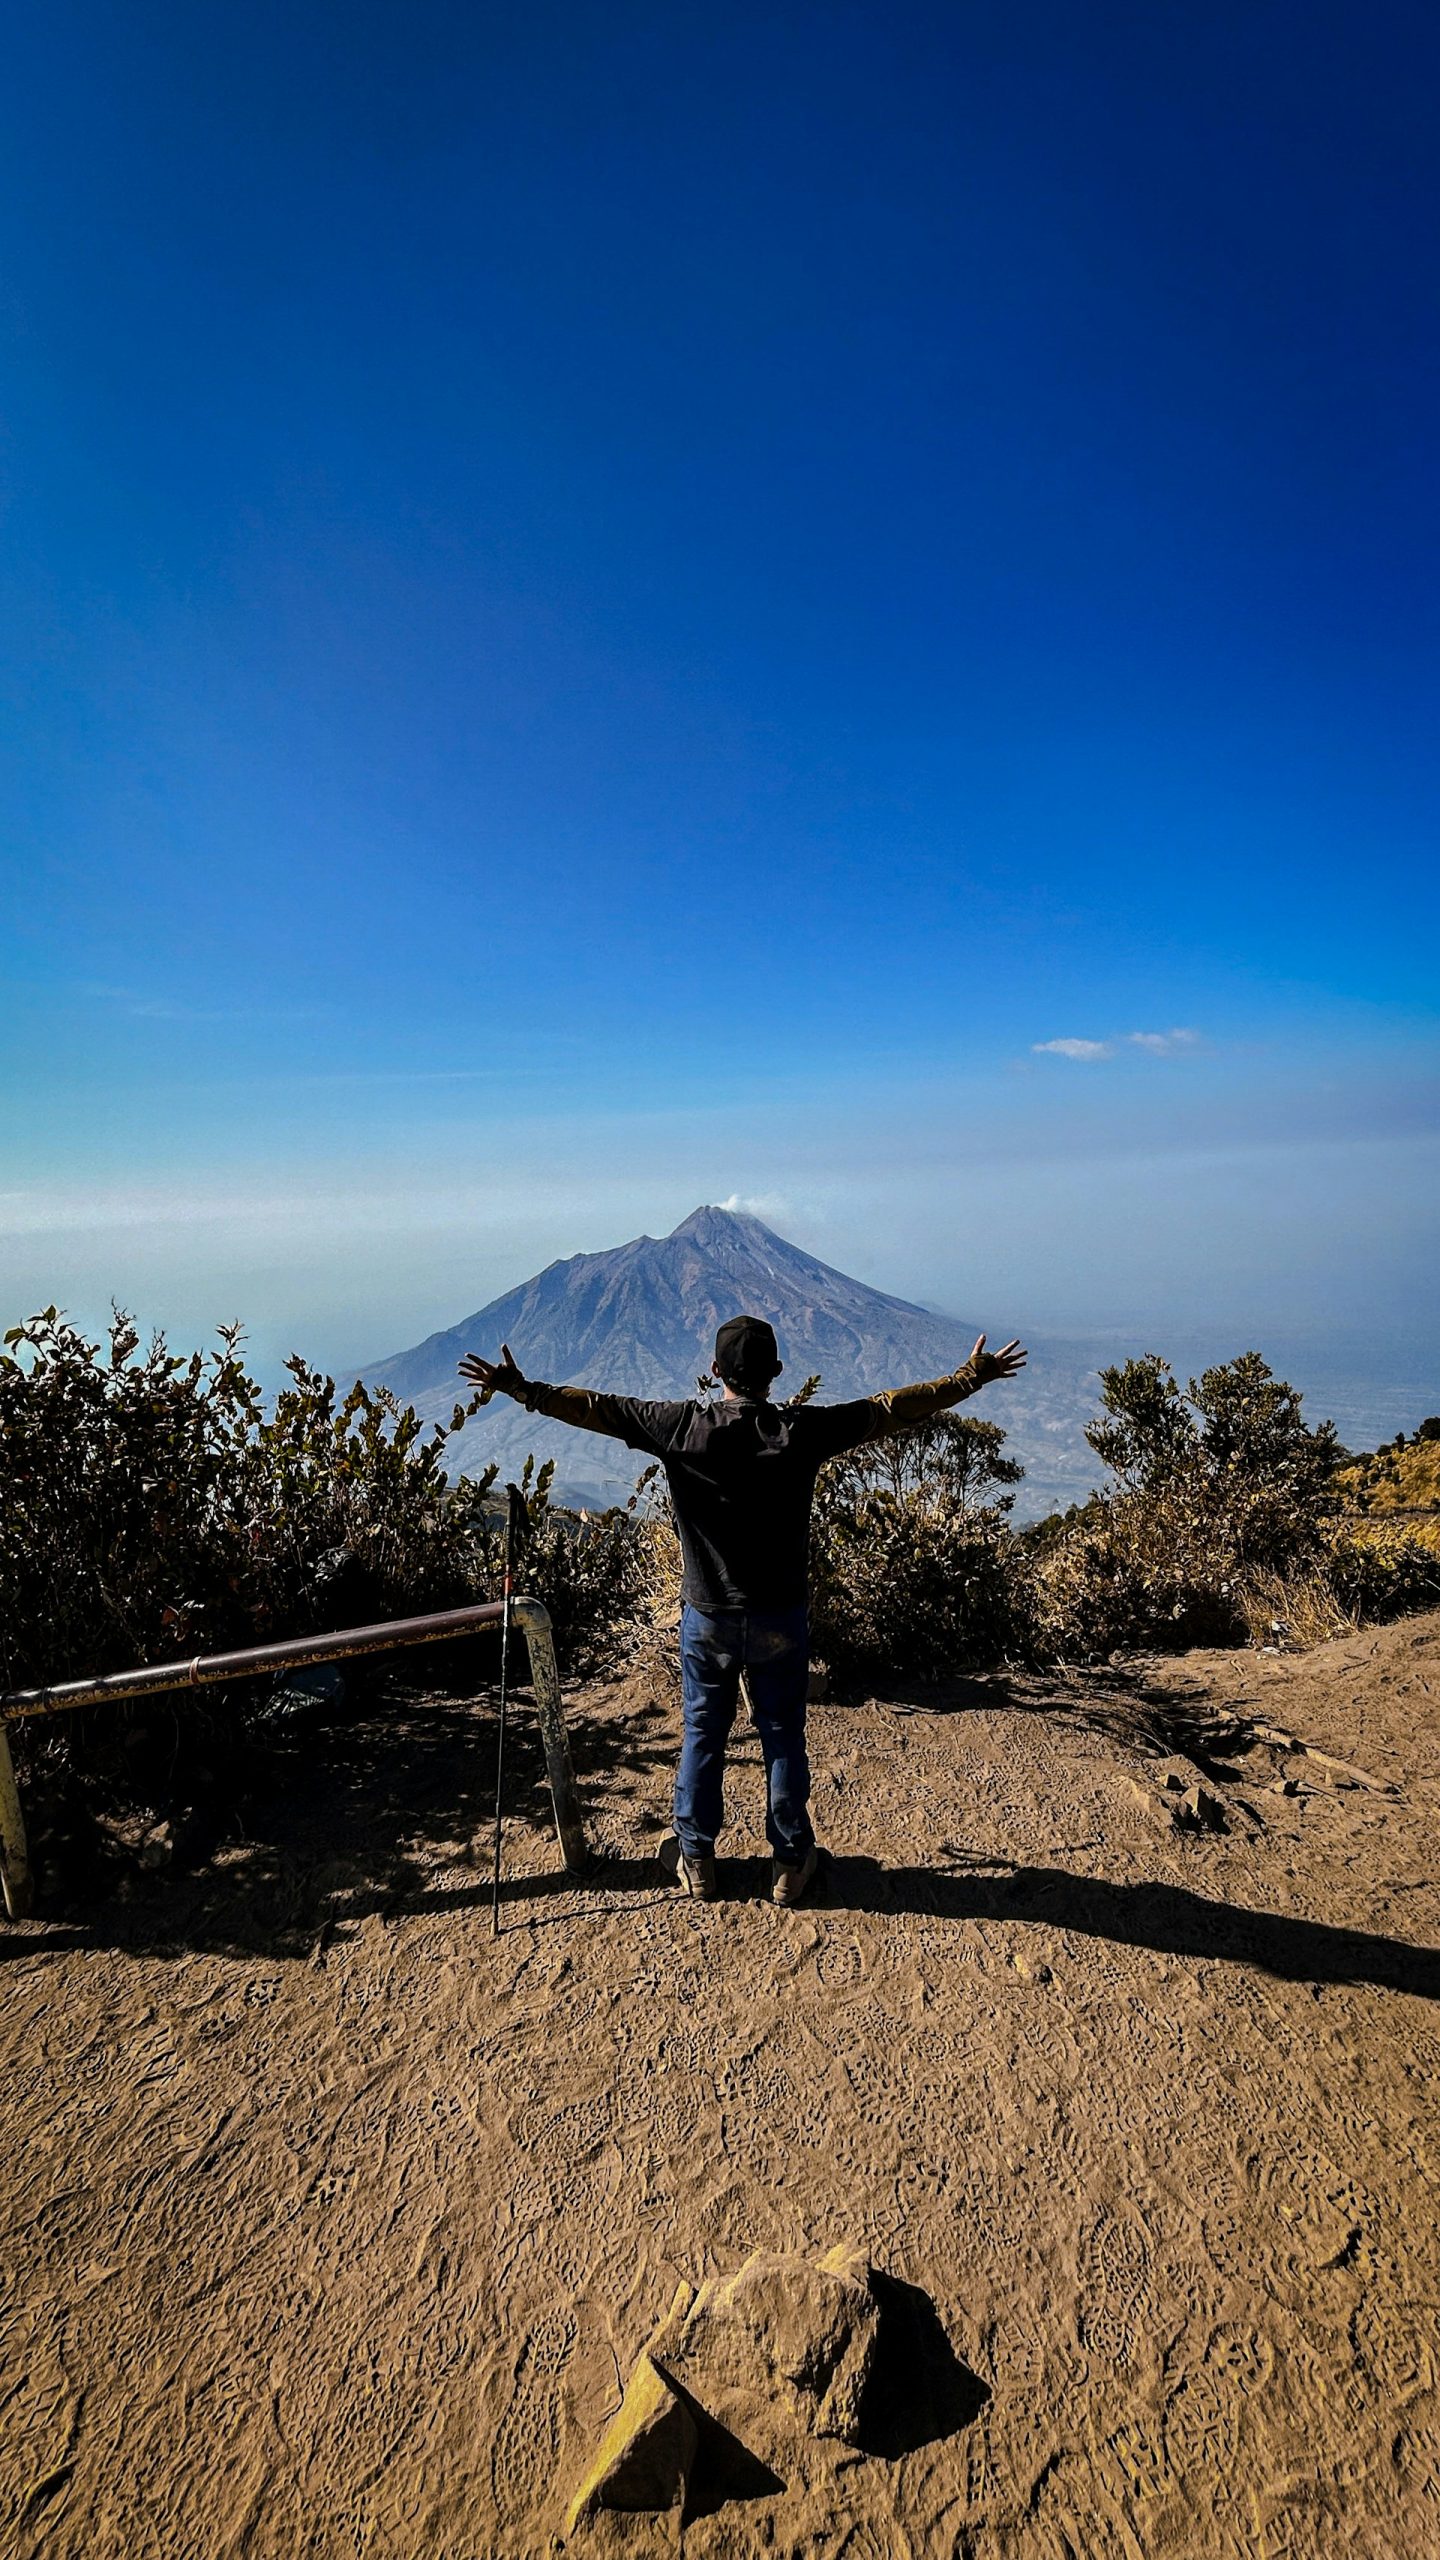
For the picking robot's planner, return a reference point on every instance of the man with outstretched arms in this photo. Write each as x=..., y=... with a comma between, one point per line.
x=742, y=1475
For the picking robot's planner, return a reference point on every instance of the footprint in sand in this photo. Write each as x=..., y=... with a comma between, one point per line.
x=1396, y=2343
x=525, y=2450
x=1115, y=2260
x=840, y=1964
x=1202, y=2421
x=550, y=2345
x=559, y=2136
x=1415, y=2454
x=1311, y=2219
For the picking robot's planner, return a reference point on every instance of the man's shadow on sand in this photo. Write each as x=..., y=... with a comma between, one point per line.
x=1164, y=1917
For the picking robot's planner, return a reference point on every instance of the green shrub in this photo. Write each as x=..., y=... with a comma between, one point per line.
x=593, y=1571
x=151, y=1507
x=1214, y=1490
x=914, y=1572
x=1136, y=1571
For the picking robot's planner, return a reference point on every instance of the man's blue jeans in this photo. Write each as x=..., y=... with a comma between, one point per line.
x=772, y=1648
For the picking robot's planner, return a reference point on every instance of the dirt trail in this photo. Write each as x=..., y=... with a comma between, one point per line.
x=330, y=2226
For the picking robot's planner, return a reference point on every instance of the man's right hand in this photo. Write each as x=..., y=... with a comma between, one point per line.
x=492, y=1375
x=989, y=1365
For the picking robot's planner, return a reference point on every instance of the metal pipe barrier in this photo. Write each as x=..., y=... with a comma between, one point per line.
x=164, y=1678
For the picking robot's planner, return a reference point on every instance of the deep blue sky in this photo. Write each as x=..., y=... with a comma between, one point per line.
x=607, y=606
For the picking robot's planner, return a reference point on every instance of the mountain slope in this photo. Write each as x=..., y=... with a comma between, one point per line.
x=641, y=1320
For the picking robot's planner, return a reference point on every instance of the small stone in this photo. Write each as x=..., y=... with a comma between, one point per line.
x=1161, y=1810
x=1173, y=1772
x=1201, y=1810
x=1286, y=1787
x=157, y=1848
x=1031, y=1969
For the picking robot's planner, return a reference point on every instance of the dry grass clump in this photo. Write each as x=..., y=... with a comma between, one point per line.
x=1299, y=1609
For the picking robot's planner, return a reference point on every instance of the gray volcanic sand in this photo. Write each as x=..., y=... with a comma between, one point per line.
x=332, y=2226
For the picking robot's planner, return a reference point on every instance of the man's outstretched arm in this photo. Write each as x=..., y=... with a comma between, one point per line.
x=899, y=1408
x=617, y=1417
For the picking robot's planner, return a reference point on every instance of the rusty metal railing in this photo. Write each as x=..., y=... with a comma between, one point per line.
x=164, y=1679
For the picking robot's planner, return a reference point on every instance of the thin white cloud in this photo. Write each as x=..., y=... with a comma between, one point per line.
x=138, y=1006
x=1163, y=1044
x=1155, y=1044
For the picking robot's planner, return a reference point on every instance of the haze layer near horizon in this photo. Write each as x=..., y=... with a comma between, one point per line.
x=830, y=609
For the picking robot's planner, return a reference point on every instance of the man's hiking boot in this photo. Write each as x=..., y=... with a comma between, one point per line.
x=791, y=1884
x=696, y=1874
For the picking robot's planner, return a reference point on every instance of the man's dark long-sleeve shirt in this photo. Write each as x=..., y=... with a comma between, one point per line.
x=742, y=1473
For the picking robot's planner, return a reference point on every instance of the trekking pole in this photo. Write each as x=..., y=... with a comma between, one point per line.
x=513, y=1501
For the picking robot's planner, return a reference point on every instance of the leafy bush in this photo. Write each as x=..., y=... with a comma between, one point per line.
x=914, y=1572
x=594, y=1572
x=953, y=1462
x=1215, y=1489
x=151, y=1507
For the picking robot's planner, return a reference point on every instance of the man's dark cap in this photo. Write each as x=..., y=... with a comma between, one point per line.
x=747, y=1355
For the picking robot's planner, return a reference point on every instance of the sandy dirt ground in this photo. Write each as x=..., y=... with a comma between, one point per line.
x=331, y=2226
